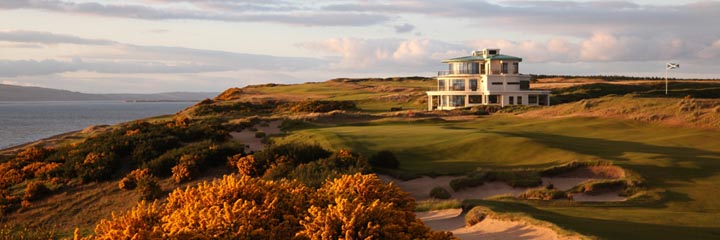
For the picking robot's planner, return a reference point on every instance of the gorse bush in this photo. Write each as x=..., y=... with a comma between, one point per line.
x=241, y=207
x=286, y=154
x=145, y=183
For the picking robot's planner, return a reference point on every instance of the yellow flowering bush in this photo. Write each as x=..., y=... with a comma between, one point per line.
x=243, y=207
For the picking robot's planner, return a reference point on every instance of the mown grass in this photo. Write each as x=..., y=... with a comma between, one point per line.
x=683, y=161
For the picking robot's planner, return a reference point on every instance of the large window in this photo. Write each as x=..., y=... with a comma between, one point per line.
x=532, y=99
x=511, y=100
x=519, y=102
x=516, y=68
x=493, y=99
x=504, y=68
x=482, y=68
x=458, y=101
x=441, y=85
x=475, y=99
x=458, y=85
x=473, y=85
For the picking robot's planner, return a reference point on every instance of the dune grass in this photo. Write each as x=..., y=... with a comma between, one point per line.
x=685, y=162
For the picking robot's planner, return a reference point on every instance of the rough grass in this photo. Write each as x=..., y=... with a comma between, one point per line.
x=703, y=113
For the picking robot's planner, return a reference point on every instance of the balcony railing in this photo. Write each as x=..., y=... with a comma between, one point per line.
x=465, y=71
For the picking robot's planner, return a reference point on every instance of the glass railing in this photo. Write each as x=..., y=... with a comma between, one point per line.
x=443, y=73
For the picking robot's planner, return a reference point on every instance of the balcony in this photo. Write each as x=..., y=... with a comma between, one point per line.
x=462, y=71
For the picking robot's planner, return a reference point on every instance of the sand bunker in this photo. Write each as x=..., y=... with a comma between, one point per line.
x=453, y=220
x=419, y=188
x=253, y=143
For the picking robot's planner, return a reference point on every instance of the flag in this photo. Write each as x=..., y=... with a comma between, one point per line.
x=672, y=65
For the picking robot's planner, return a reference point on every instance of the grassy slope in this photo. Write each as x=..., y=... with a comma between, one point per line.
x=371, y=95
x=684, y=161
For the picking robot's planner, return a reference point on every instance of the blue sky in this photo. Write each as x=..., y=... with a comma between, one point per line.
x=210, y=45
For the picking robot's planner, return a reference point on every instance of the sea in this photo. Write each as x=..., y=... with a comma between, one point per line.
x=23, y=122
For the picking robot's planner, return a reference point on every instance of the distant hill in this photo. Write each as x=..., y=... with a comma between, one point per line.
x=20, y=93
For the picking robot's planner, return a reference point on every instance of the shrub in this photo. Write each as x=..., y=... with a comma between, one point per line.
x=315, y=173
x=384, y=159
x=127, y=183
x=519, y=178
x=145, y=183
x=476, y=215
x=544, y=194
x=35, y=191
x=440, y=193
x=474, y=180
x=241, y=207
x=260, y=134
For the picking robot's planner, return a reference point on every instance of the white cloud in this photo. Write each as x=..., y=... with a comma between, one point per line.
x=360, y=54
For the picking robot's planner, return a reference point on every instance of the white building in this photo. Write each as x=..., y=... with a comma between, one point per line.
x=484, y=78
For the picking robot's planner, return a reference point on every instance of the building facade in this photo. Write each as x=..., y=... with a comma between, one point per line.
x=484, y=78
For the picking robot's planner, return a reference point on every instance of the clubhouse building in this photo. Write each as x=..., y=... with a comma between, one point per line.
x=484, y=78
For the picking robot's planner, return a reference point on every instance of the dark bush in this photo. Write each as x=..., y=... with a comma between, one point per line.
x=259, y=134
x=319, y=106
x=544, y=194
x=35, y=191
x=384, y=159
x=440, y=193
x=343, y=162
x=473, y=180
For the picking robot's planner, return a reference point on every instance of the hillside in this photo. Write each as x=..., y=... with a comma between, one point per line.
x=21, y=93
x=338, y=128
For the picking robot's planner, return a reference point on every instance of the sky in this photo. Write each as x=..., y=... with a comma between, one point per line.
x=148, y=46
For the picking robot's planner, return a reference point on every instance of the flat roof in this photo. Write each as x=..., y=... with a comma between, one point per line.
x=481, y=58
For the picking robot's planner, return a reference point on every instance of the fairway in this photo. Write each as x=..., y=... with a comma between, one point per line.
x=683, y=161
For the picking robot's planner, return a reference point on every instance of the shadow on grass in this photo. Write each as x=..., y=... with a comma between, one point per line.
x=668, y=158
x=606, y=229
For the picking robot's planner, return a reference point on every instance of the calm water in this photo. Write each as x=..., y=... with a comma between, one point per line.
x=22, y=122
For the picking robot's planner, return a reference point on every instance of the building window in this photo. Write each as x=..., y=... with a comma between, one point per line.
x=519, y=98
x=511, y=100
x=441, y=85
x=482, y=68
x=513, y=83
x=542, y=100
x=473, y=85
x=516, y=68
x=475, y=68
x=475, y=99
x=524, y=85
x=493, y=99
x=458, y=85
x=504, y=67
x=458, y=101
x=492, y=52
x=496, y=83
x=532, y=99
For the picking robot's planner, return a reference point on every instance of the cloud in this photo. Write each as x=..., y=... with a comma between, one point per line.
x=48, y=38
x=115, y=57
x=404, y=28
x=362, y=55
x=230, y=11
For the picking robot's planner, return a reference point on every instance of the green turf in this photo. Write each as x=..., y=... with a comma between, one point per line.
x=683, y=161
